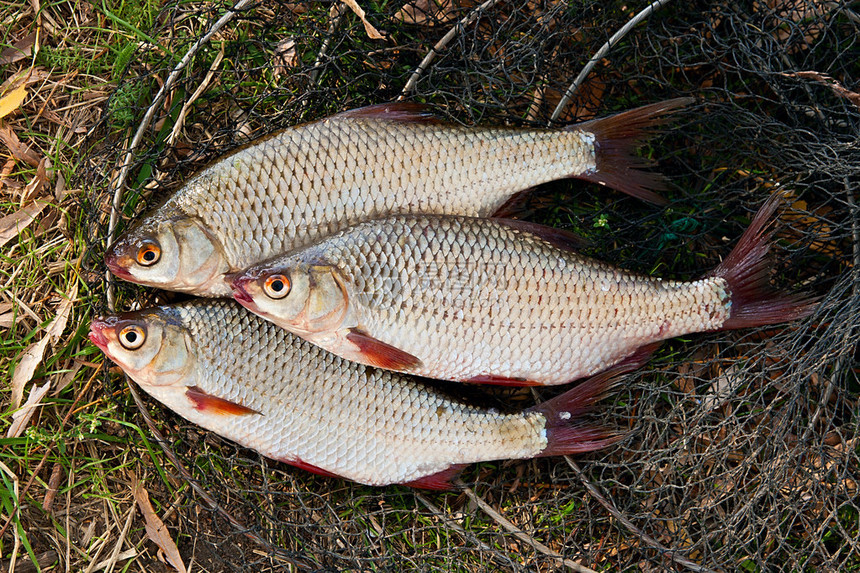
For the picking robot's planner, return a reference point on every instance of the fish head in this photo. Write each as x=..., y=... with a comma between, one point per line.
x=304, y=298
x=151, y=346
x=174, y=253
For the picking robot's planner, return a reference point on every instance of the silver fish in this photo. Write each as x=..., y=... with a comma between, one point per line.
x=312, y=180
x=499, y=301
x=221, y=367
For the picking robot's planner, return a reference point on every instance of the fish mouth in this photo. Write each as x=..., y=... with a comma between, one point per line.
x=118, y=265
x=97, y=336
x=238, y=283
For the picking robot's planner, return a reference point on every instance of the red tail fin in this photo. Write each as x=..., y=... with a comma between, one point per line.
x=746, y=269
x=616, y=140
x=566, y=434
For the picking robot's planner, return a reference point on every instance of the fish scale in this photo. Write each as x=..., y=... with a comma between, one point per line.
x=489, y=300
x=368, y=425
x=309, y=181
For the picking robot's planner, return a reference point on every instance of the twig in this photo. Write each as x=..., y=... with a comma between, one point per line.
x=338, y=11
x=147, y=119
x=629, y=524
x=519, y=533
x=456, y=527
x=183, y=113
x=602, y=52
x=440, y=45
x=214, y=505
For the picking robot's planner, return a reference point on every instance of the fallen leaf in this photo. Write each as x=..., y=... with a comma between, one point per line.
x=14, y=223
x=431, y=12
x=58, y=325
x=19, y=151
x=722, y=389
x=20, y=50
x=12, y=101
x=32, y=357
x=285, y=57
x=35, y=186
x=22, y=416
x=155, y=528
x=30, y=360
x=372, y=32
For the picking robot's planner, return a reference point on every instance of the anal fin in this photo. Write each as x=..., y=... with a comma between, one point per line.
x=501, y=380
x=381, y=354
x=440, y=481
x=205, y=402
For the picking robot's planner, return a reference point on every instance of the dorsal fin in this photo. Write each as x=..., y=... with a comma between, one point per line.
x=559, y=238
x=403, y=112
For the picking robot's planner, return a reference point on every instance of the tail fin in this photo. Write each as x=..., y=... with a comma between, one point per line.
x=567, y=435
x=616, y=139
x=746, y=269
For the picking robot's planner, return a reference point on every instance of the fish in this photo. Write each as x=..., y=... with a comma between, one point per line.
x=219, y=366
x=314, y=179
x=499, y=301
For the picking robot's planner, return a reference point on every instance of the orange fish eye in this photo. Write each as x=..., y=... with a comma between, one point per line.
x=132, y=336
x=148, y=254
x=276, y=286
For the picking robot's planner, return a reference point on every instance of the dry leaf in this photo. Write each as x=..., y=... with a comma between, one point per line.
x=285, y=57
x=32, y=357
x=12, y=101
x=723, y=388
x=30, y=360
x=431, y=12
x=19, y=151
x=22, y=417
x=20, y=50
x=372, y=32
x=35, y=186
x=155, y=528
x=12, y=224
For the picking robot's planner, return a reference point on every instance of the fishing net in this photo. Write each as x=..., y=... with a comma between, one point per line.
x=743, y=446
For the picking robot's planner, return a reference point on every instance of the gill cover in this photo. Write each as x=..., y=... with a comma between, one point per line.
x=162, y=355
x=175, y=253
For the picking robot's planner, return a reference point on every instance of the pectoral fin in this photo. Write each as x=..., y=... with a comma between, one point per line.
x=381, y=354
x=205, y=402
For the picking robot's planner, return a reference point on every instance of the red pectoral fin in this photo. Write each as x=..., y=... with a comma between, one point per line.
x=501, y=380
x=381, y=354
x=438, y=481
x=205, y=402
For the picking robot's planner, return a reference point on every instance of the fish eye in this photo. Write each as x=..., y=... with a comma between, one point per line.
x=149, y=253
x=276, y=286
x=132, y=336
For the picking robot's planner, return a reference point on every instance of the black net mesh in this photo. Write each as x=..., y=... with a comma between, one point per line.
x=743, y=447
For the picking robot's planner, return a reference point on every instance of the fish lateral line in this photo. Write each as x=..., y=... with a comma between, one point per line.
x=381, y=354
x=205, y=402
